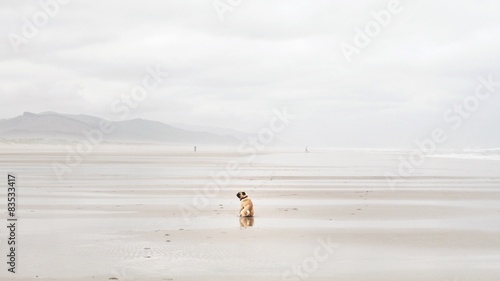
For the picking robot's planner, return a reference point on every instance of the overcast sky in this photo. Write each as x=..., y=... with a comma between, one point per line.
x=263, y=55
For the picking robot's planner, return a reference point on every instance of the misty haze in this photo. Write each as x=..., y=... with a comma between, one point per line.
x=250, y=140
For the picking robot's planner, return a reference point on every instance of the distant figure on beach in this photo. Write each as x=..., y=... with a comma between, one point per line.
x=307, y=151
x=195, y=148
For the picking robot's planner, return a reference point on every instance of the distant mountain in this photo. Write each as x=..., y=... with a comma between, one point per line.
x=68, y=127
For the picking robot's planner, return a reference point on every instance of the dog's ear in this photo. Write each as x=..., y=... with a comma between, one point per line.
x=243, y=193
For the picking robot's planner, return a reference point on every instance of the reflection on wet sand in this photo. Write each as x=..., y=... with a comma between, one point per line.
x=246, y=221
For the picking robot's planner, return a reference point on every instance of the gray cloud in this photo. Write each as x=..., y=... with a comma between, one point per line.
x=264, y=55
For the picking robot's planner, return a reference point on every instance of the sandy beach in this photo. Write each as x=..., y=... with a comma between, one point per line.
x=167, y=213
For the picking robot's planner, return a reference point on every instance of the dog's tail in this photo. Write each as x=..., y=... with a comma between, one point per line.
x=248, y=212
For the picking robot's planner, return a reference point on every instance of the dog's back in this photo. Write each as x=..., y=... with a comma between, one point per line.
x=246, y=208
x=246, y=205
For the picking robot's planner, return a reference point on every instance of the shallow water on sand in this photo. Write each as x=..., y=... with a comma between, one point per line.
x=143, y=215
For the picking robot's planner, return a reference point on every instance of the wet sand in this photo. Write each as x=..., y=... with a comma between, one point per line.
x=141, y=213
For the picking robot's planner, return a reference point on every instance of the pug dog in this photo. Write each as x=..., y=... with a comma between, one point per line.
x=246, y=205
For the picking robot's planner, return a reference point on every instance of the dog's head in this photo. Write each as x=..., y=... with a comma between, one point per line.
x=241, y=195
